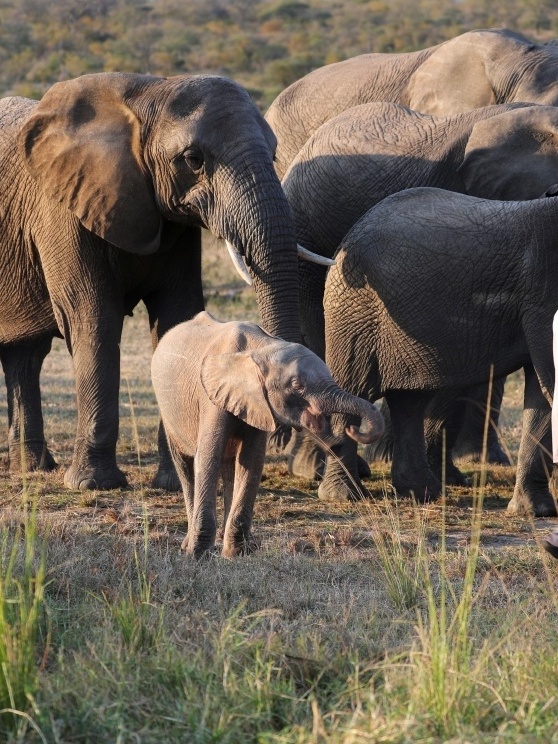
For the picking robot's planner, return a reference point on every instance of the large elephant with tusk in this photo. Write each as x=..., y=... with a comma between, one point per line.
x=107, y=181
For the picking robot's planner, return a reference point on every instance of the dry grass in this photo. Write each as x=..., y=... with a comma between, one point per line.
x=302, y=641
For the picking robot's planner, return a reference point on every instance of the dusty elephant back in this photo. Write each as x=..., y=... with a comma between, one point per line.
x=324, y=93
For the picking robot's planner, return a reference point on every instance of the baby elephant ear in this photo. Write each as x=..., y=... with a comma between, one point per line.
x=234, y=382
x=82, y=144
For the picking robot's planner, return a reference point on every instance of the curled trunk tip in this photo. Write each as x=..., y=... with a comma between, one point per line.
x=372, y=427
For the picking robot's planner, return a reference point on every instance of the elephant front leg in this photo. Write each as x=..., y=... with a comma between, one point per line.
x=534, y=463
x=341, y=480
x=248, y=472
x=26, y=440
x=96, y=356
x=178, y=299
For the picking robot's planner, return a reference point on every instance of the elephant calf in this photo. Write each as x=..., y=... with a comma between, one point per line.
x=220, y=388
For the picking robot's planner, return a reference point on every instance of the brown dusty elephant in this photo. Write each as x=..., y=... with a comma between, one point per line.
x=476, y=69
x=106, y=182
x=221, y=387
x=368, y=152
x=435, y=291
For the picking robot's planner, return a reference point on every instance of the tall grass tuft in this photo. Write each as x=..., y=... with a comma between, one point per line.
x=402, y=565
x=22, y=611
x=446, y=671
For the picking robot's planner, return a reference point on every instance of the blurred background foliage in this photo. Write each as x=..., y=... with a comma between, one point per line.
x=264, y=44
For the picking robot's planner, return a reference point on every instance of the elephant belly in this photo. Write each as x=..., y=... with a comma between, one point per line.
x=25, y=308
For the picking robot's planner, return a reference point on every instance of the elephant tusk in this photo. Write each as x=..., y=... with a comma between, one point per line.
x=314, y=257
x=238, y=262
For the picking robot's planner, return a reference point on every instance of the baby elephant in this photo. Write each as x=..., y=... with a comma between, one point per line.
x=221, y=387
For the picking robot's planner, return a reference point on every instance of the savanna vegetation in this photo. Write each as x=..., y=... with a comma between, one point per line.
x=353, y=622
x=374, y=621
x=264, y=44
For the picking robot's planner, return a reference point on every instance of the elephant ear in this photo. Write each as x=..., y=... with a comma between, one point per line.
x=453, y=79
x=82, y=144
x=234, y=382
x=513, y=155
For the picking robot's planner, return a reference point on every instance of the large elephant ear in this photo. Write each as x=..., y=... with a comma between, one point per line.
x=513, y=155
x=234, y=382
x=454, y=78
x=82, y=144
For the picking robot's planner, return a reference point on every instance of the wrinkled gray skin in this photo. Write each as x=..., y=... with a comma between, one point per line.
x=106, y=182
x=221, y=387
x=431, y=289
x=371, y=151
x=475, y=69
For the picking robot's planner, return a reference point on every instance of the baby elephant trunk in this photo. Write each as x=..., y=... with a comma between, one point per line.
x=372, y=422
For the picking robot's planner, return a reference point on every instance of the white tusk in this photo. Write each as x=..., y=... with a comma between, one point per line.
x=238, y=262
x=314, y=257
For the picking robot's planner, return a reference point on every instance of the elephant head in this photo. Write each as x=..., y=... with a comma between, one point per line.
x=482, y=68
x=128, y=154
x=514, y=155
x=285, y=383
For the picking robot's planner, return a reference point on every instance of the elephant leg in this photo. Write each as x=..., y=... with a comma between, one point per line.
x=26, y=440
x=534, y=461
x=305, y=457
x=179, y=298
x=442, y=423
x=410, y=471
x=341, y=480
x=95, y=351
x=470, y=443
x=211, y=446
x=184, y=468
x=382, y=449
x=248, y=471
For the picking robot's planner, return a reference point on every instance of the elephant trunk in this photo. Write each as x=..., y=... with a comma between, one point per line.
x=372, y=422
x=257, y=222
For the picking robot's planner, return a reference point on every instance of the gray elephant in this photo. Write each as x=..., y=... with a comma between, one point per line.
x=370, y=151
x=475, y=69
x=107, y=181
x=221, y=387
x=432, y=291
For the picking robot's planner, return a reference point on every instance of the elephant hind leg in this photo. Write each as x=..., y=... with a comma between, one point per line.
x=470, y=444
x=184, y=468
x=26, y=440
x=411, y=473
x=443, y=419
x=534, y=462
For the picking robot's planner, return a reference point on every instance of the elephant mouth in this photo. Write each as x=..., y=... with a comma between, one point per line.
x=315, y=422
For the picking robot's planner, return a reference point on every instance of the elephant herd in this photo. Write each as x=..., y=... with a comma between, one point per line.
x=422, y=173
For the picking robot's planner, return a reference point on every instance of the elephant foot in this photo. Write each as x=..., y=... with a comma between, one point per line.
x=166, y=479
x=495, y=455
x=338, y=488
x=453, y=476
x=35, y=456
x=423, y=489
x=94, y=479
x=199, y=552
x=535, y=502
x=305, y=458
x=363, y=468
x=235, y=548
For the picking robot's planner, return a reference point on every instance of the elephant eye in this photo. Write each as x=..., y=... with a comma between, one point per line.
x=194, y=160
x=297, y=385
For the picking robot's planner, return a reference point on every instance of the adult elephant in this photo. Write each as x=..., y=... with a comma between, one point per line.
x=476, y=69
x=431, y=291
x=106, y=182
x=371, y=151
